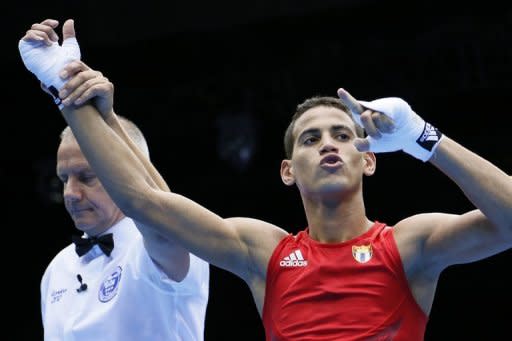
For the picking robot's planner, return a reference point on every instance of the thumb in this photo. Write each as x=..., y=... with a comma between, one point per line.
x=362, y=145
x=68, y=29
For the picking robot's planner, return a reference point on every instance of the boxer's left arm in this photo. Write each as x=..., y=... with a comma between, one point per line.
x=442, y=239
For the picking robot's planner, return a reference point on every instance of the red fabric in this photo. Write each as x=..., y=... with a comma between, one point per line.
x=333, y=297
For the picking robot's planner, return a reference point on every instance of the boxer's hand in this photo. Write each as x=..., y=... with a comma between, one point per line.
x=44, y=57
x=392, y=125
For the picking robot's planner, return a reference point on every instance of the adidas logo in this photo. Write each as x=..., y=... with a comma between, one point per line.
x=295, y=259
x=429, y=138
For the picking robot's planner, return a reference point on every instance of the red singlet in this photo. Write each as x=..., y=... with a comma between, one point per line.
x=355, y=290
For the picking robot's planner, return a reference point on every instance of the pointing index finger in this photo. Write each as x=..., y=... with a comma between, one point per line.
x=350, y=101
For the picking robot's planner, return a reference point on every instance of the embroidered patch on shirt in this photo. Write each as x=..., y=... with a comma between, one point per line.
x=362, y=253
x=110, y=286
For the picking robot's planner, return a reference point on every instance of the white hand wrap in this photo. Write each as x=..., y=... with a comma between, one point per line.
x=412, y=134
x=45, y=62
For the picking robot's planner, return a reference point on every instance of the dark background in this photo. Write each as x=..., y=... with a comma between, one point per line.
x=205, y=79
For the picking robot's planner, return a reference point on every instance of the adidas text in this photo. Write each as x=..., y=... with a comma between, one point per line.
x=295, y=259
x=293, y=263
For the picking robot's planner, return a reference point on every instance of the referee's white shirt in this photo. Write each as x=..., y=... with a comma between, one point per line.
x=127, y=297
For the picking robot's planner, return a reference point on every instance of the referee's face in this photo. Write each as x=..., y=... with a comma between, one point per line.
x=87, y=202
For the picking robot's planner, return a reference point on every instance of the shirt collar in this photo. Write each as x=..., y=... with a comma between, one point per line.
x=123, y=232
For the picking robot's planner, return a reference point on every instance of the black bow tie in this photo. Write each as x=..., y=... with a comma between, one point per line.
x=83, y=245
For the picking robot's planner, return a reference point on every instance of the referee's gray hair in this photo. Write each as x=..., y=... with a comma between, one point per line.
x=131, y=129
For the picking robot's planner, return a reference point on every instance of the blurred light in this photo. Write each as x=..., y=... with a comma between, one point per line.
x=237, y=137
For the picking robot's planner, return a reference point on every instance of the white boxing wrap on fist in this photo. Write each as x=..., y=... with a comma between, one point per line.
x=411, y=134
x=45, y=62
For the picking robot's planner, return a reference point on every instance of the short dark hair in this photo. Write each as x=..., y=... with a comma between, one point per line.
x=310, y=103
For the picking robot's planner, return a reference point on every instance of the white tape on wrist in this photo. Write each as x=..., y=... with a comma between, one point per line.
x=426, y=144
x=412, y=134
x=46, y=62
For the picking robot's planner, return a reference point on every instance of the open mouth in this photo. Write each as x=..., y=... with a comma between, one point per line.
x=331, y=160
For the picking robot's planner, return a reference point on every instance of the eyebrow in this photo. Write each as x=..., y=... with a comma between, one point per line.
x=339, y=127
x=315, y=131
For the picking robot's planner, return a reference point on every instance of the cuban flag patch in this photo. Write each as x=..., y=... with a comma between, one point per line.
x=362, y=253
